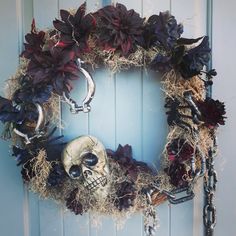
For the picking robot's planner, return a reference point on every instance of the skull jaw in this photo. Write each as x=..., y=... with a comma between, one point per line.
x=99, y=187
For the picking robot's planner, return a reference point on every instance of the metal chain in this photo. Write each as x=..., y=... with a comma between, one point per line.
x=210, y=182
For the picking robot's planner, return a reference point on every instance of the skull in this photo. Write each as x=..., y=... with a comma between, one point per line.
x=85, y=158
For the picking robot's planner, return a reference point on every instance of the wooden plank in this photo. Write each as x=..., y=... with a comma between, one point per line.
x=155, y=132
x=151, y=7
x=129, y=128
x=12, y=192
x=27, y=12
x=193, y=17
x=74, y=126
x=102, y=126
x=76, y=225
x=154, y=118
x=51, y=219
x=45, y=11
x=130, y=5
x=192, y=14
x=224, y=52
x=50, y=215
x=181, y=219
x=34, y=221
x=70, y=4
x=102, y=115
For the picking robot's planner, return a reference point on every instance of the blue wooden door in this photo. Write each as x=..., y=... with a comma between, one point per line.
x=127, y=109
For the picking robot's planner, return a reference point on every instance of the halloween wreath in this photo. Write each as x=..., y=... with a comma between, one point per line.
x=81, y=174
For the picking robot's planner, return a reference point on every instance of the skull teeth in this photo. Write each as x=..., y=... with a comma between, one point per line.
x=96, y=182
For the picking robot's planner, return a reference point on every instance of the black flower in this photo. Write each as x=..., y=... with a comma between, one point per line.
x=126, y=194
x=119, y=29
x=57, y=175
x=162, y=30
x=180, y=149
x=73, y=204
x=28, y=92
x=162, y=63
x=212, y=112
x=21, y=155
x=9, y=112
x=74, y=30
x=189, y=62
x=194, y=59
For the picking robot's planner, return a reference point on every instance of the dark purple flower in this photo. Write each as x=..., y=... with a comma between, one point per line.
x=212, y=112
x=119, y=29
x=73, y=204
x=162, y=63
x=179, y=149
x=74, y=31
x=162, y=30
x=178, y=174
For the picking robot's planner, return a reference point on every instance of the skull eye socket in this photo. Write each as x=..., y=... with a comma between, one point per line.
x=75, y=171
x=90, y=159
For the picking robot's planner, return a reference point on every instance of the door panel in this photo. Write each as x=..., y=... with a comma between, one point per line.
x=127, y=109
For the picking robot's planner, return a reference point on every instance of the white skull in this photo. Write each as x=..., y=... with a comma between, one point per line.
x=85, y=158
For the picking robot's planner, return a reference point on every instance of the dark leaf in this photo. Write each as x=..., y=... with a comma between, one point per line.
x=185, y=41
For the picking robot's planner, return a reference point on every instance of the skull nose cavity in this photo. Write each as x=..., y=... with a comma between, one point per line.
x=86, y=173
x=75, y=171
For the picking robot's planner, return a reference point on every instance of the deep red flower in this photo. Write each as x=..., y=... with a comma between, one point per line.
x=180, y=149
x=53, y=67
x=74, y=30
x=132, y=167
x=119, y=29
x=34, y=42
x=178, y=173
x=212, y=112
x=73, y=204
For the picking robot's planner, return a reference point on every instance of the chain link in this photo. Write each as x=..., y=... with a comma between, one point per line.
x=210, y=182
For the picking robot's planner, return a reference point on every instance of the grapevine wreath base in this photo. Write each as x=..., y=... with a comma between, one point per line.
x=81, y=174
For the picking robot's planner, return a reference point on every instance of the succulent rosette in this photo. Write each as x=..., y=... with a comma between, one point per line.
x=119, y=29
